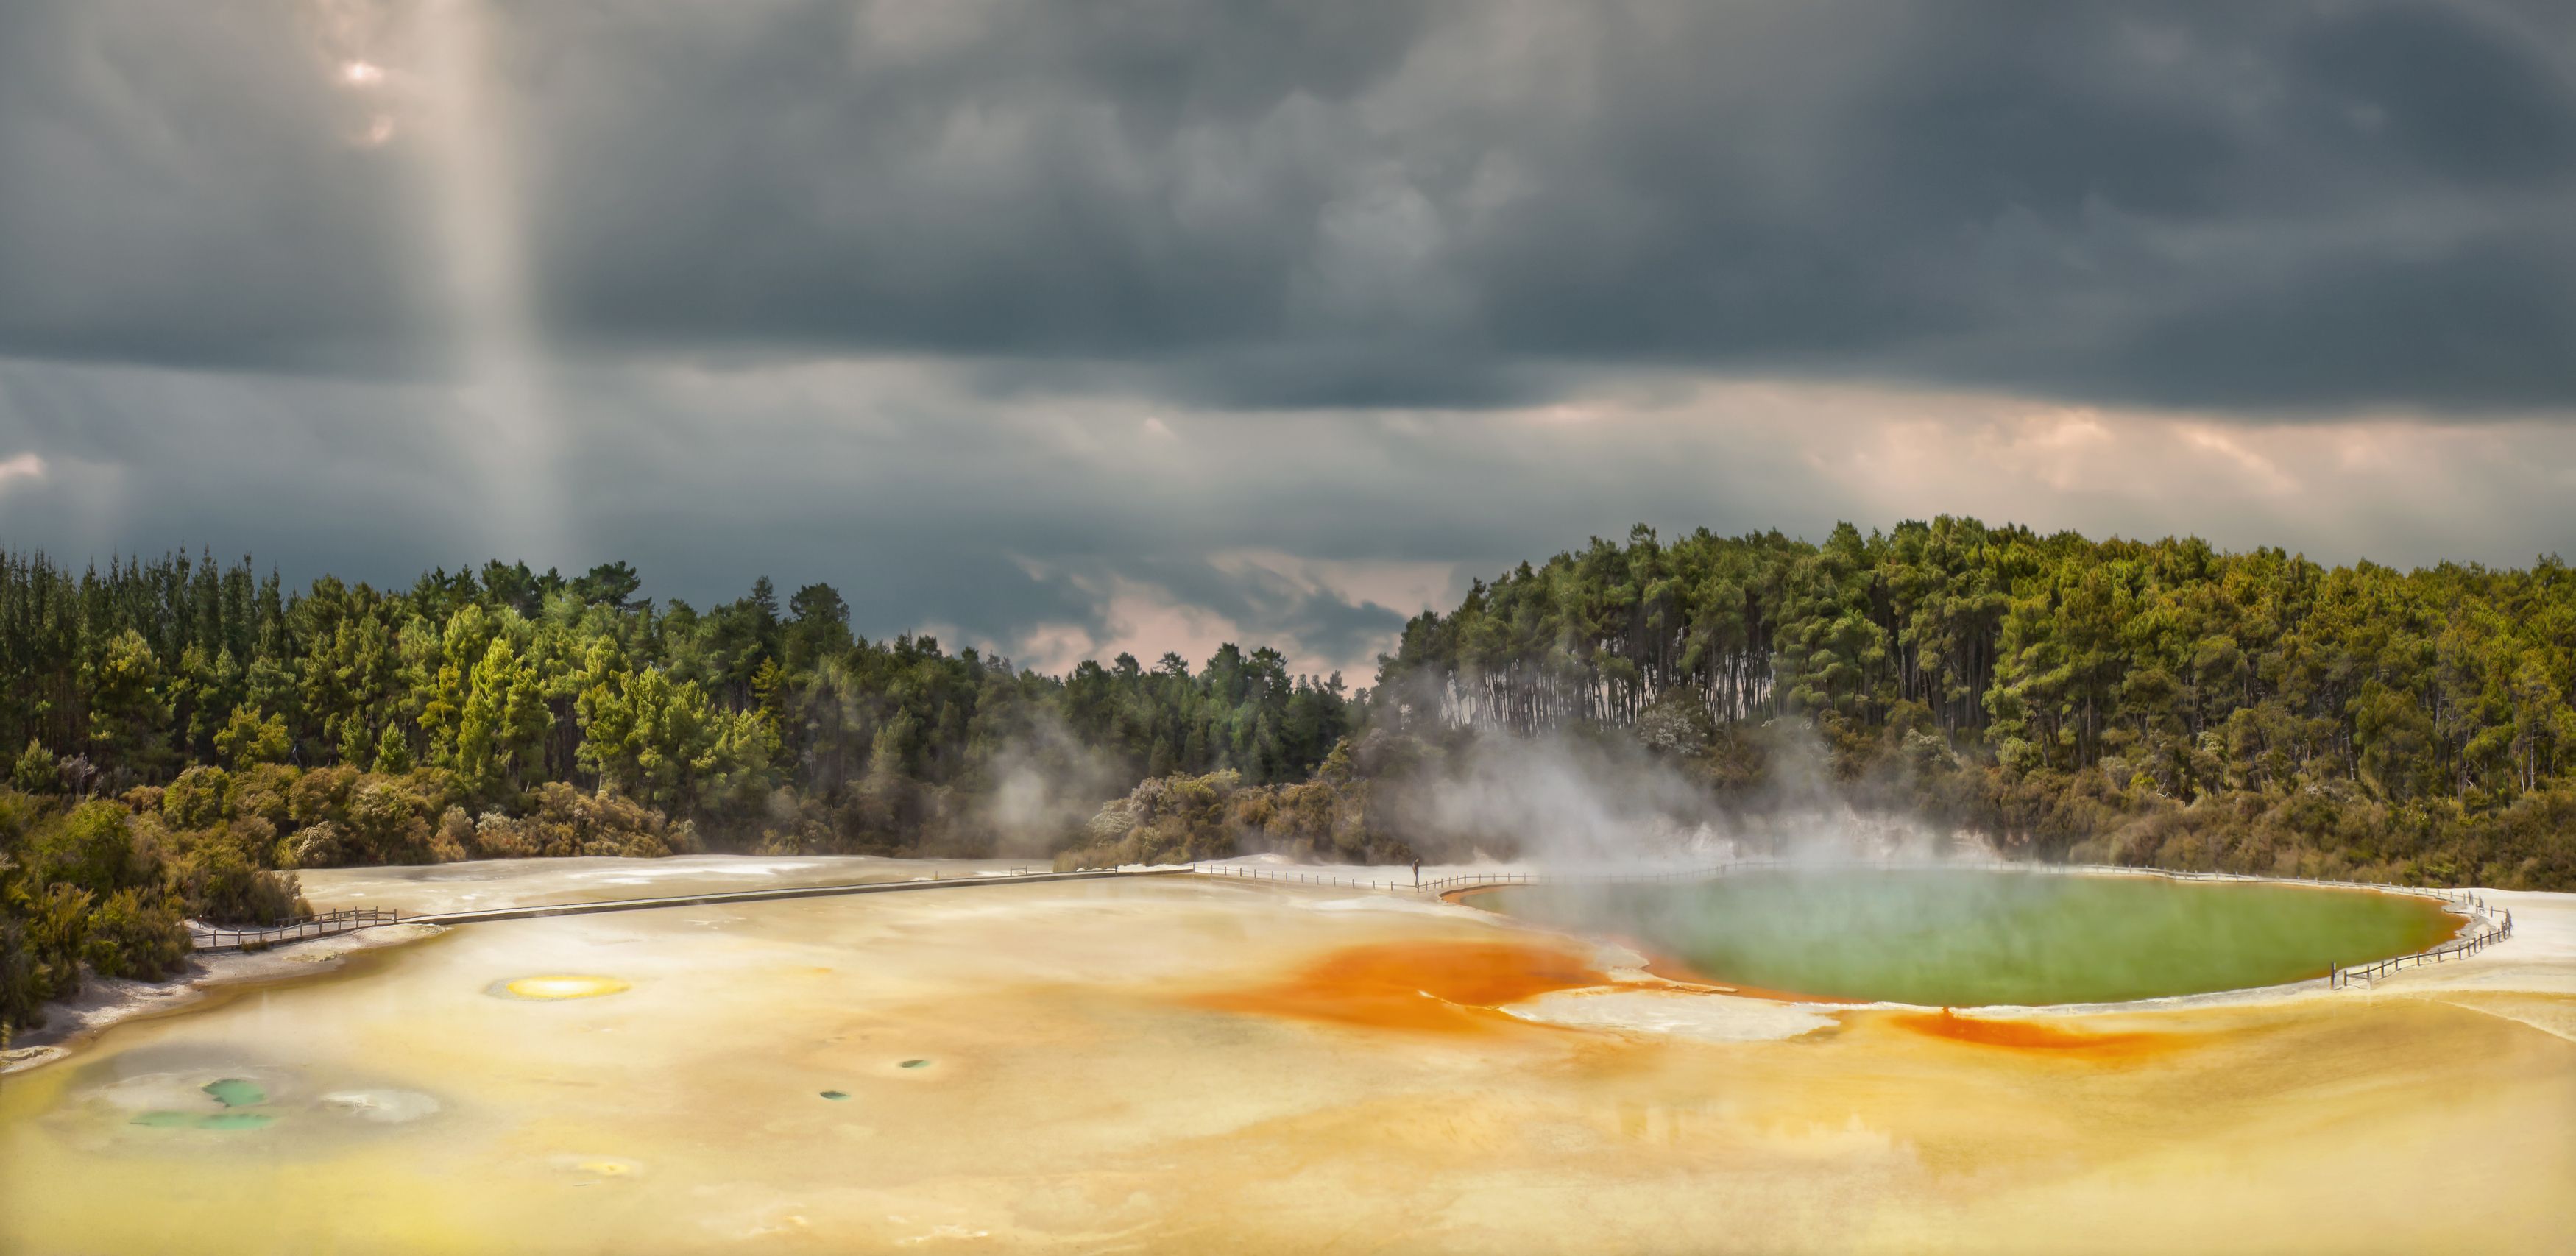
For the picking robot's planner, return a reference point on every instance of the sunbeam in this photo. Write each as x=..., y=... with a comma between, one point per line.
x=483, y=265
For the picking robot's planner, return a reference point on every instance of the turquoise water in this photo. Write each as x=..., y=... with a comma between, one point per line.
x=233, y=1092
x=1973, y=937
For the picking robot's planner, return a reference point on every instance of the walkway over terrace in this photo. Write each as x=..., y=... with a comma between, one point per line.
x=329, y=923
x=2482, y=926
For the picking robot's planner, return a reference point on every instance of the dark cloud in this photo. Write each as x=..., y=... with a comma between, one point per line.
x=179, y=185
x=2480, y=102
x=1326, y=624
x=1054, y=529
x=1067, y=327
x=2278, y=207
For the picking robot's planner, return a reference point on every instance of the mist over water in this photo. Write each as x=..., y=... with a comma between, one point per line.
x=1835, y=900
x=1593, y=803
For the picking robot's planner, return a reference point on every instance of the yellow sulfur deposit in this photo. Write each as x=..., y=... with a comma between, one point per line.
x=554, y=987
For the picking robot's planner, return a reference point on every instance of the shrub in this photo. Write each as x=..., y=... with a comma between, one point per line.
x=19, y=816
x=454, y=841
x=264, y=791
x=562, y=820
x=37, y=771
x=246, y=739
x=323, y=845
x=129, y=936
x=51, y=925
x=498, y=837
x=255, y=838
x=215, y=882
x=385, y=824
x=196, y=799
x=321, y=794
x=94, y=848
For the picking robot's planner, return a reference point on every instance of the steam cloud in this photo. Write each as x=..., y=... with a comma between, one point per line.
x=1573, y=802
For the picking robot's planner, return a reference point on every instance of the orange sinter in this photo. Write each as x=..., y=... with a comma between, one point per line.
x=1445, y=987
x=2028, y=1035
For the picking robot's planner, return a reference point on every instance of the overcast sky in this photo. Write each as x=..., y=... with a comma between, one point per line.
x=1066, y=328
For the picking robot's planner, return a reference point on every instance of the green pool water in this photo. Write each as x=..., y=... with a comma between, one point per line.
x=1966, y=938
x=233, y=1092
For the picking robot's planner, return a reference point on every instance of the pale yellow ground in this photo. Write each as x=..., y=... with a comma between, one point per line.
x=481, y=884
x=1157, y=1066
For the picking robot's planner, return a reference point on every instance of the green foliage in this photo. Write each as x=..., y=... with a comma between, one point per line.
x=388, y=823
x=196, y=798
x=246, y=740
x=561, y=820
x=129, y=711
x=263, y=792
x=220, y=881
x=2051, y=691
x=96, y=887
x=93, y=849
x=393, y=752
x=321, y=794
x=2160, y=701
x=46, y=929
x=761, y=724
x=37, y=771
x=135, y=936
x=649, y=738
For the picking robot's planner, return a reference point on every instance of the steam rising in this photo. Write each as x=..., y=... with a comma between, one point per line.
x=1047, y=783
x=1577, y=802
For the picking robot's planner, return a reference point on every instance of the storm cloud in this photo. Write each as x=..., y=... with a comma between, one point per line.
x=1357, y=202
x=1069, y=327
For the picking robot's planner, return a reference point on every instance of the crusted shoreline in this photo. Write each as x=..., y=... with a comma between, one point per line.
x=105, y=1002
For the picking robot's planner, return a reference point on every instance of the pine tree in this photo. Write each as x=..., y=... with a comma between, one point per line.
x=393, y=751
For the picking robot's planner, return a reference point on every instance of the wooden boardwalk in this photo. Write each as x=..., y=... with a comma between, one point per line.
x=346, y=921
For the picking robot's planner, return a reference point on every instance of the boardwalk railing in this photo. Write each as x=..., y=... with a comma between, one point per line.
x=775, y=893
x=1290, y=876
x=297, y=930
x=941, y=874
x=2467, y=900
x=2487, y=929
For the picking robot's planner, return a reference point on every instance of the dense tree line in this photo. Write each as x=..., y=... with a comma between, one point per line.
x=189, y=732
x=2162, y=701
x=2181, y=668
x=224, y=730
x=2158, y=703
x=760, y=721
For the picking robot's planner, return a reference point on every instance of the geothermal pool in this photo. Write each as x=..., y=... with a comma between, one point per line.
x=1952, y=937
x=1180, y=1064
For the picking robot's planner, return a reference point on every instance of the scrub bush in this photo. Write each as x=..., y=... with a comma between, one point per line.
x=132, y=936
x=216, y=882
